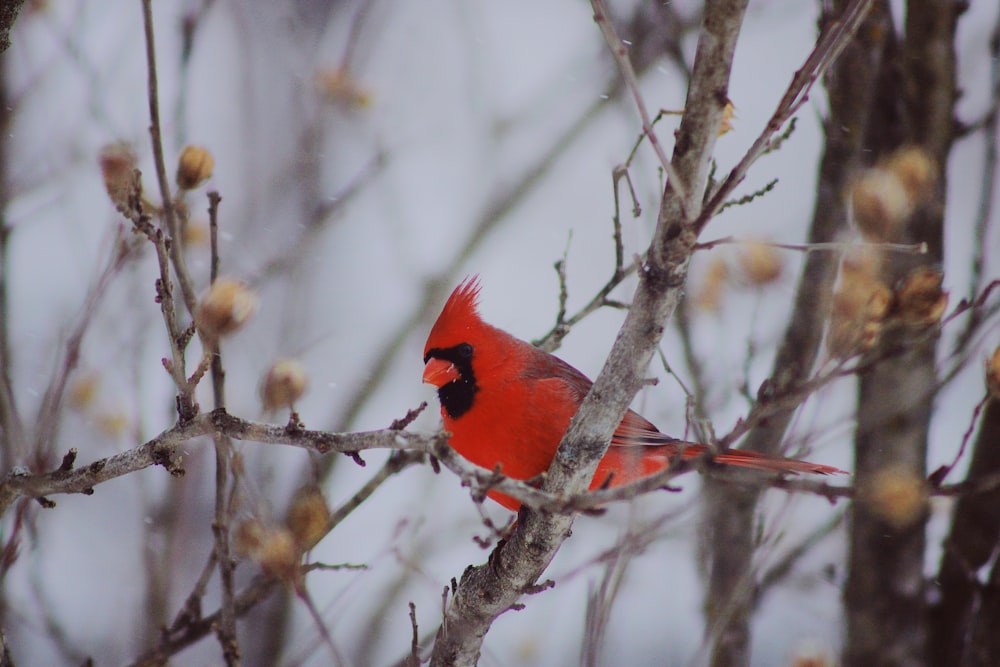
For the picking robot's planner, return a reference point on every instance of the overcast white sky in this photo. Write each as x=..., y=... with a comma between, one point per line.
x=463, y=97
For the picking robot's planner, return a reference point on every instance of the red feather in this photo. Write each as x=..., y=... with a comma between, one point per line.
x=508, y=404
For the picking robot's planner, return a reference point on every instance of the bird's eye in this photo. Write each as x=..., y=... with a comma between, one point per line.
x=464, y=351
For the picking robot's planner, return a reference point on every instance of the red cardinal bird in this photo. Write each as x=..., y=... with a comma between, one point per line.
x=508, y=404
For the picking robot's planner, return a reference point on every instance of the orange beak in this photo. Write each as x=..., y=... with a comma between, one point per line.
x=439, y=372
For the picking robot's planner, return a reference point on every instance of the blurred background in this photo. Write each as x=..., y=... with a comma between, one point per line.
x=370, y=155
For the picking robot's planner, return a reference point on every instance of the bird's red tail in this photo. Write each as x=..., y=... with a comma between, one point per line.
x=744, y=458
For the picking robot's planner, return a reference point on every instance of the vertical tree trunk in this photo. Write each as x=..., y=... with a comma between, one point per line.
x=884, y=593
x=729, y=511
x=885, y=600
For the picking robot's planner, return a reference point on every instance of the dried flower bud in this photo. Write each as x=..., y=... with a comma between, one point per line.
x=760, y=263
x=225, y=308
x=848, y=335
x=883, y=198
x=993, y=373
x=248, y=537
x=916, y=171
x=728, y=113
x=339, y=87
x=122, y=179
x=881, y=204
x=278, y=554
x=284, y=384
x=194, y=167
x=920, y=301
x=710, y=294
x=113, y=423
x=860, y=304
x=194, y=234
x=307, y=517
x=83, y=391
x=898, y=497
x=273, y=548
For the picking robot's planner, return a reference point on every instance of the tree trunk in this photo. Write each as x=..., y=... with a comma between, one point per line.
x=885, y=601
x=729, y=510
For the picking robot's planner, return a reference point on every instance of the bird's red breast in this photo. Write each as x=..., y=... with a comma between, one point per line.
x=508, y=404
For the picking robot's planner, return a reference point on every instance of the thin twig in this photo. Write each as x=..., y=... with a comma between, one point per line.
x=175, y=366
x=396, y=462
x=50, y=410
x=943, y=472
x=620, y=53
x=413, y=660
x=222, y=524
x=318, y=220
x=213, y=233
x=829, y=46
x=987, y=190
x=354, y=34
x=169, y=245
x=832, y=246
x=336, y=658
x=552, y=339
x=156, y=138
x=778, y=571
x=161, y=450
x=696, y=397
x=14, y=444
x=177, y=639
x=191, y=611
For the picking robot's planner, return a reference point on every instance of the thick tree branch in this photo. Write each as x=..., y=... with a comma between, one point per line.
x=9, y=9
x=489, y=590
x=161, y=450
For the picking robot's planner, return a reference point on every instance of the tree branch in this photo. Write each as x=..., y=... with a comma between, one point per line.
x=515, y=566
x=829, y=46
x=161, y=450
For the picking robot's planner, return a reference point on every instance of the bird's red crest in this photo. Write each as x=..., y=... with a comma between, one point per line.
x=458, y=318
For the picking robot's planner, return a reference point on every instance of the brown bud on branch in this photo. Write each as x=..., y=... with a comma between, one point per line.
x=194, y=167
x=225, y=308
x=284, y=384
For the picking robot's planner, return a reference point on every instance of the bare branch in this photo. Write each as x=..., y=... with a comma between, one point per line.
x=413, y=660
x=619, y=50
x=13, y=441
x=49, y=413
x=834, y=39
x=161, y=450
x=177, y=639
x=500, y=203
x=155, y=133
x=987, y=190
x=829, y=246
x=489, y=590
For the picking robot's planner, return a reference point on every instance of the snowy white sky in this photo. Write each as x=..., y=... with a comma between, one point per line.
x=464, y=96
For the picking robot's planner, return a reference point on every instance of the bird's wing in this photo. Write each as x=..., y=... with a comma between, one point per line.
x=636, y=436
x=634, y=430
